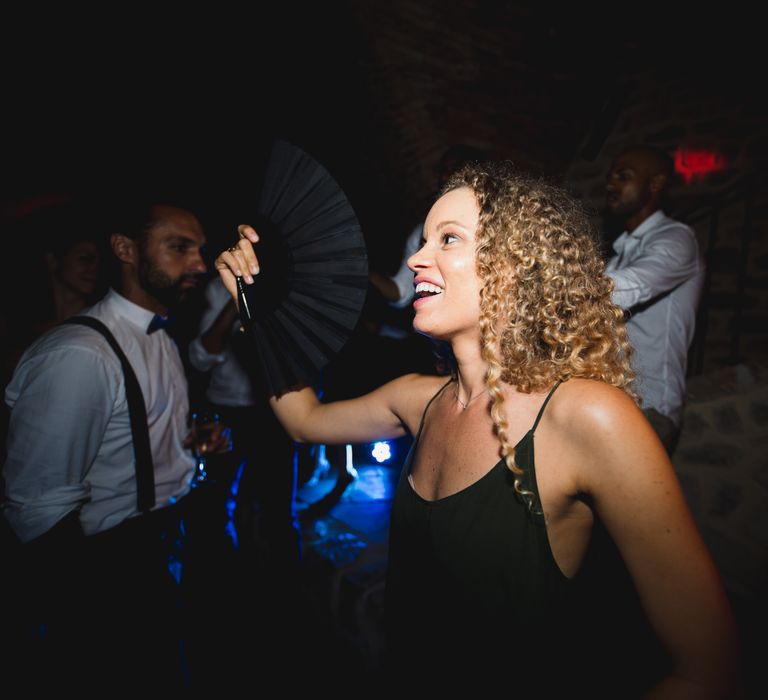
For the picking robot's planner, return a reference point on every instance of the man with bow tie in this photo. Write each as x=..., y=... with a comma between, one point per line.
x=658, y=274
x=95, y=530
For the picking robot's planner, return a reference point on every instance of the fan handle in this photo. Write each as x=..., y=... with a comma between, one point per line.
x=245, y=311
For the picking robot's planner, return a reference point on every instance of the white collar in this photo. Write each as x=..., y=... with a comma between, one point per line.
x=632, y=238
x=133, y=313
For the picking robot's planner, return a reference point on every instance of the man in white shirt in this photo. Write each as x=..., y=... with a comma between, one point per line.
x=266, y=469
x=658, y=273
x=71, y=474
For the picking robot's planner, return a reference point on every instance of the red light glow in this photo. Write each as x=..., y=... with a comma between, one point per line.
x=696, y=164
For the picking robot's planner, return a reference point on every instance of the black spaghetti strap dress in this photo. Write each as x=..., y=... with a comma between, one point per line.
x=473, y=588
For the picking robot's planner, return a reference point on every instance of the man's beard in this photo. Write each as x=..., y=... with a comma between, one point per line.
x=167, y=290
x=614, y=224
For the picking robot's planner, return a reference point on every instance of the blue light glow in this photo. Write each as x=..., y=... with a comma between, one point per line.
x=381, y=452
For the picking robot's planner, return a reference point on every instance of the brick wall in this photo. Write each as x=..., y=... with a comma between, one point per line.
x=376, y=90
x=507, y=78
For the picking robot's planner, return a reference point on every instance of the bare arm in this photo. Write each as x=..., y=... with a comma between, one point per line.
x=387, y=412
x=637, y=495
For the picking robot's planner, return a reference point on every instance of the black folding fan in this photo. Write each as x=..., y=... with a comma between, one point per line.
x=305, y=302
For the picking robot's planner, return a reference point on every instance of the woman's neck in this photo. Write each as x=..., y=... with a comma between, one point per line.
x=470, y=368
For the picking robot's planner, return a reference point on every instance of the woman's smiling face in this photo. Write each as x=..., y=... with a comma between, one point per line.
x=445, y=270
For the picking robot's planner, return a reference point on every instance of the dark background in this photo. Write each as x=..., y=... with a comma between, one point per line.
x=114, y=99
x=374, y=90
x=121, y=101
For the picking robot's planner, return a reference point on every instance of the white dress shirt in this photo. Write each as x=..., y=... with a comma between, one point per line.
x=658, y=274
x=403, y=278
x=69, y=442
x=229, y=384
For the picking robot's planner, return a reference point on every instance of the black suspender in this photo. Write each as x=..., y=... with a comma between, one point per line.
x=145, y=470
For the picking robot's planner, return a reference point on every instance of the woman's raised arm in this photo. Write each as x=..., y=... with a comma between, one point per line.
x=388, y=412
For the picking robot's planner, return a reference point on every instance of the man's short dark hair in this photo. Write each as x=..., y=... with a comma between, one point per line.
x=664, y=162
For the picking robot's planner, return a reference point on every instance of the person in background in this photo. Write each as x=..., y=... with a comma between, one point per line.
x=658, y=274
x=67, y=273
x=100, y=525
x=263, y=469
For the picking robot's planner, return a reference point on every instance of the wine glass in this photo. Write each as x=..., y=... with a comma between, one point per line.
x=204, y=423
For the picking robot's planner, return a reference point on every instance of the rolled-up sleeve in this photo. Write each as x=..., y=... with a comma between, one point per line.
x=403, y=278
x=201, y=359
x=668, y=260
x=216, y=298
x=61, y=402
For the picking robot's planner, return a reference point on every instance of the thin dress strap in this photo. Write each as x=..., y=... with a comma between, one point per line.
x=429, y=403
x=544, y=405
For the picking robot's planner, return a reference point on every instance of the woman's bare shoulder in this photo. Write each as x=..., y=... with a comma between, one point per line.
x=583, y=404
x=410, y=394
x=605, y=434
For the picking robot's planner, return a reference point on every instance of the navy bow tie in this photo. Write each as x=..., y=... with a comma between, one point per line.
x=159, y=322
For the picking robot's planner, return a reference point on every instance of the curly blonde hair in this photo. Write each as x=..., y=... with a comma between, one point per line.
x=545, y=306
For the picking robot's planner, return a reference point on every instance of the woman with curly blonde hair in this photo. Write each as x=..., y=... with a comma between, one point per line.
x=501, y=566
